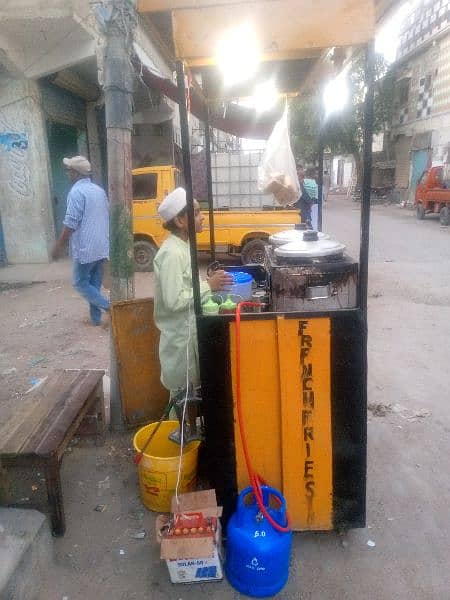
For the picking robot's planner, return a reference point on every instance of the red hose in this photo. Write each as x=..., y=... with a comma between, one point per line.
x=255, y=480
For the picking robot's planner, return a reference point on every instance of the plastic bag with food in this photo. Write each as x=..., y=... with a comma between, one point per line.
x=277, y=173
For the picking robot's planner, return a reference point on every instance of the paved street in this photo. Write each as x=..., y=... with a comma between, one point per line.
x=409, y=438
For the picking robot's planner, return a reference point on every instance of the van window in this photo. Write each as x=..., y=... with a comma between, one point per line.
x=145, y=187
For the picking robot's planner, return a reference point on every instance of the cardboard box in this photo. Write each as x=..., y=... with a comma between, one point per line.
x=196, y=570
x=191, y=539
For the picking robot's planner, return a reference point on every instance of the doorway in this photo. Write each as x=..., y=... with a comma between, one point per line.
x=340, y=172
x=62, y=142
x=419, y=162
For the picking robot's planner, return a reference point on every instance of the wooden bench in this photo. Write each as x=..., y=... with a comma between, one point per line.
x=42, y=427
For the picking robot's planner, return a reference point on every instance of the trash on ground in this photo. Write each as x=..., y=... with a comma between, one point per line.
x=35, y=383
x=58, y=287
x=191, y=538
x=410, y=415
x=378, y=409
x=420, y=414
x=136, y=534
x=105, y=484
x=371, y=544
x=100, y=508
x=37, y=361
x=34, y=488
x=138, y=515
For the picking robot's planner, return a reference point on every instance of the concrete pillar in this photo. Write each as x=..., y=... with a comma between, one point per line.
x=25, y=201
x=95, y=155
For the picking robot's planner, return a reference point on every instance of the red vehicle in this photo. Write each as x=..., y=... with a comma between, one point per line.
x=433, y=194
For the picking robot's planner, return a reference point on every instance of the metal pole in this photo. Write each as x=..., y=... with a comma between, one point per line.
x=212, y=242
x=118, y=89
x=366, y=184
x=185, y=143
x=320, y=182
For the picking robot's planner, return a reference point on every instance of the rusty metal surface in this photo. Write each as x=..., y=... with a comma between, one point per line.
x=136, y=341
x=290, y=283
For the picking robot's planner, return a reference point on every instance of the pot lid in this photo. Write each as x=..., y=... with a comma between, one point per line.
x=310, y=247
x=293, y=235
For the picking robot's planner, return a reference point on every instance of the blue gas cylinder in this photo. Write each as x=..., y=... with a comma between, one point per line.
x=257, y=554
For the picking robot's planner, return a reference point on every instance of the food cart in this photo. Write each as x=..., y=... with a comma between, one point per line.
x=303, y=360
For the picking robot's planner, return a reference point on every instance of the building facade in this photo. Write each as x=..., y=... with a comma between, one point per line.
x=420, y=132
x=52, y=106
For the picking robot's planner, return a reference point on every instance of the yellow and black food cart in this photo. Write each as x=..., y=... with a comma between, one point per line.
x=303, y=358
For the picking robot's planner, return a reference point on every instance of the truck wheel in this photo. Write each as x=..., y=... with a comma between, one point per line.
x=253, y=252
x=420, y=212
x=444, y=216
x=144, y=253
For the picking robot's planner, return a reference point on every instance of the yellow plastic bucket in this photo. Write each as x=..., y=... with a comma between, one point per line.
x=158, y=469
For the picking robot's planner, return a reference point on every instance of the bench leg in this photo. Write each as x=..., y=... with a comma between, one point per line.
x=100, y=411
x=55, y=499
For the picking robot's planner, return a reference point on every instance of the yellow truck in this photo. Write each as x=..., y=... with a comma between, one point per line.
x=241, y=232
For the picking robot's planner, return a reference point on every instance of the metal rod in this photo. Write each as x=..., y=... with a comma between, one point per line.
x=212, y=242
x=320, y=182
x=366, y=184
x=185, y=143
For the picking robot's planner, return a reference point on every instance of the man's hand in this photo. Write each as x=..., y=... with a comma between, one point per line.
x=219, y=279
x=55, y=252
x=58, y=246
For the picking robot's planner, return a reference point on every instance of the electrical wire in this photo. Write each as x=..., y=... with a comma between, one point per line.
x=180, y=458
x=255, y=480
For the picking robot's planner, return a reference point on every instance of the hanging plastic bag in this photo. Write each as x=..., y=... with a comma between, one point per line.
x=277, y=173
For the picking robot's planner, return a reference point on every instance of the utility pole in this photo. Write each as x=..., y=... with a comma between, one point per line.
x=118, y=20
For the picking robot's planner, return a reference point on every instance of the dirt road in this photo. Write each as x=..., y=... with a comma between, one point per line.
x=409, y=434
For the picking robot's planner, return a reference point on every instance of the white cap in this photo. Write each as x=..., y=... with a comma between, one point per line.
x=80, y=164
x=172, y=204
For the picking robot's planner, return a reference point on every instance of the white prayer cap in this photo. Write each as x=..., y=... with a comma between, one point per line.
x=80, y=164
x=172, y=204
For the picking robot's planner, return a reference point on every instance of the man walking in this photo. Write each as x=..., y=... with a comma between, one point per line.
x=301, y=204
x=86, y=225
x=307, y=203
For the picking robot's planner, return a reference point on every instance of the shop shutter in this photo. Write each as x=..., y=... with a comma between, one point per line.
x=402, y=161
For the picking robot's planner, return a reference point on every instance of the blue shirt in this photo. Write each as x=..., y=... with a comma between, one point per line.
x=311, y=188
x=88, y=215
